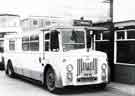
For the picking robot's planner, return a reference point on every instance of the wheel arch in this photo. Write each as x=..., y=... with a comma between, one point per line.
x=45, y=70
x=58, y=77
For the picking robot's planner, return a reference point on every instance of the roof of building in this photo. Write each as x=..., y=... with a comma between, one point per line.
x=124, y=23
x=9, y=15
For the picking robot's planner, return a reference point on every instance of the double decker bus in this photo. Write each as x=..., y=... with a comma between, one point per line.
x=58, y=56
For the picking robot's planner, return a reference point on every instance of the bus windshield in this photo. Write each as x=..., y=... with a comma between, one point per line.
x=73, y=40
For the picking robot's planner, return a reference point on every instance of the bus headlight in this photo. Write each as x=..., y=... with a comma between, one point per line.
x=103, y=66
x=69, y=68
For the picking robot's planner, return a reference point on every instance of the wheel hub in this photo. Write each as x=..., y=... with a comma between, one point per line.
x=51, y=80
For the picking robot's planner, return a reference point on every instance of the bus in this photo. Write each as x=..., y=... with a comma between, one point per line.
x=58, y=56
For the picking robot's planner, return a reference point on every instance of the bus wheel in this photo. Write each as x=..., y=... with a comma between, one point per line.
x=50, y=80
x=10, y=70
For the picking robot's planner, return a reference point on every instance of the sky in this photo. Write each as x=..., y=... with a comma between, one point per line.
x=95, y=10
x=124, y=10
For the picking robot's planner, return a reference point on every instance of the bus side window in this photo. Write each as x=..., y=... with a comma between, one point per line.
x=12, y=45
x=47, y=42
x=1, y=46
x=54, y=46
x=46, y=46
x=25, y=44
x=30, y=44
x=34, y=43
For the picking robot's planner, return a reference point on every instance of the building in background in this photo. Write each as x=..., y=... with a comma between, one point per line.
x=104, y=42
x=124, y=51
x=120, y=47
x=34, y=22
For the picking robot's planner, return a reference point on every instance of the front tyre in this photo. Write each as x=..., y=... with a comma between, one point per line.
x=51, y=80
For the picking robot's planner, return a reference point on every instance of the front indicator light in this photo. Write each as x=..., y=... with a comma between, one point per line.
x=69, y=68
x=103, y=76
x=69, y=76
x=103, y=66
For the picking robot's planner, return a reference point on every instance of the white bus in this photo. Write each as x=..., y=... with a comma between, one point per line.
x=57, y=56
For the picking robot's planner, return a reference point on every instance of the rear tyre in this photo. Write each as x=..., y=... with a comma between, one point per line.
x=51, y=80
x=10, y=70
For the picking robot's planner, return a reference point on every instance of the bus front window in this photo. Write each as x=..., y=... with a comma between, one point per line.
x=73, y=40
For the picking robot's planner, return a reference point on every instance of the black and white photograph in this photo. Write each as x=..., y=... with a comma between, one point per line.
x=67, y=48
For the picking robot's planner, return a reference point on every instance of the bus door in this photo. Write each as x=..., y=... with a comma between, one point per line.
x=37, y=56
x=31, y=56
x=51, y=46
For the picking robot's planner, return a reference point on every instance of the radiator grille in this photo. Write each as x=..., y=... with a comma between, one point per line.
x=90, y=66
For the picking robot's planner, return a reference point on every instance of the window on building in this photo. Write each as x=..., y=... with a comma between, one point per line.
x=47, y=23
x=121, y=35
x=98, y=36
x=106, y=35
x=125, y=52
x=12, y=45
x=131, y=34
x=35, y=22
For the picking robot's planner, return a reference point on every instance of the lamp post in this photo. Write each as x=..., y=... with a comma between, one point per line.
x=110, y=8
x=111, y=27
x=111, y=43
